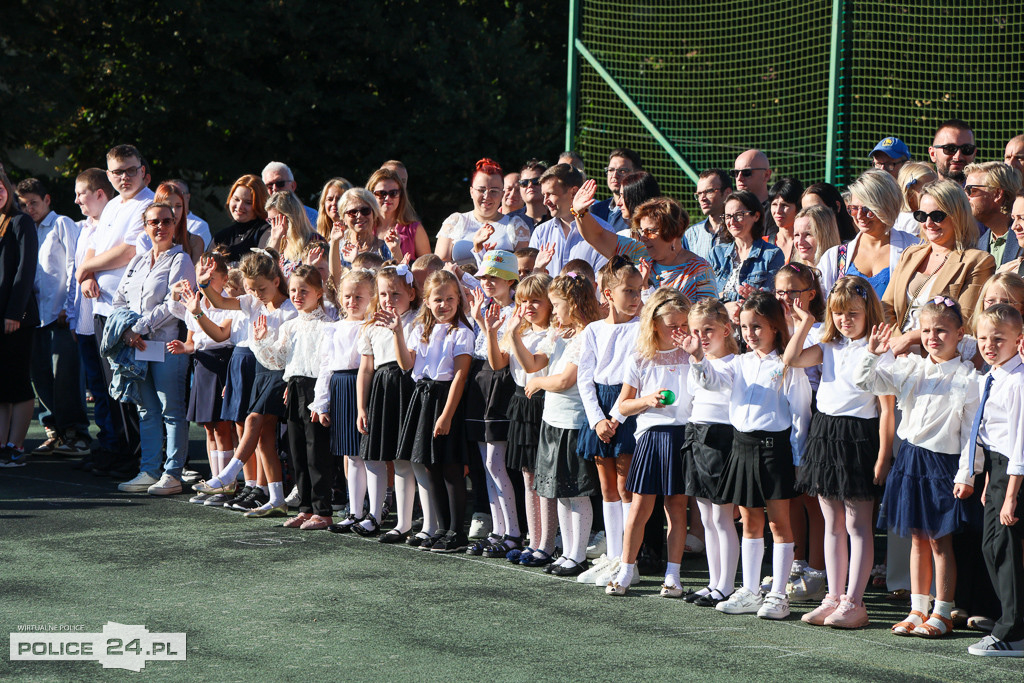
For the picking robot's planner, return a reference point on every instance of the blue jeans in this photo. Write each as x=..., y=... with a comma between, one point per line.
x=103, y=406
x=163, y=409
x=56, y=377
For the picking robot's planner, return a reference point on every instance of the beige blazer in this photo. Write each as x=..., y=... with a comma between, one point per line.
x=961, y=277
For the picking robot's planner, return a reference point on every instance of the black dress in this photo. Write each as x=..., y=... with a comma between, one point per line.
x=239, y=238
x=19, y=250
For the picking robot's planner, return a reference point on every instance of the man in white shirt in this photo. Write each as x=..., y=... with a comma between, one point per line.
x=278, y=177
x=55, y=365
x=558, y=186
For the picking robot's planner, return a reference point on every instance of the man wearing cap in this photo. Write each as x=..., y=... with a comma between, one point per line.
x=952, y=149
x=558, y=186
x=1014, y=154
x=752, y=171
x=889, y=155
x=991, y=188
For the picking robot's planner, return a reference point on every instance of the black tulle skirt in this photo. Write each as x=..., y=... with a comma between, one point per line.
x=658, y=467
x=839, y=462
x=524, y=419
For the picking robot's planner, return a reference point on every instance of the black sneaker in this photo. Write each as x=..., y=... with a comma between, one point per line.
x=239, y=496
x=256, y=498
x=11, y=457
x=451, y=542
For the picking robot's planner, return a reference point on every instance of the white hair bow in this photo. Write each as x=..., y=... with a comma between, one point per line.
x=404, y=271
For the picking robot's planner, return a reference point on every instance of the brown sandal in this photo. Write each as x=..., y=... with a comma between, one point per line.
x=906, y=628
x=928, y=631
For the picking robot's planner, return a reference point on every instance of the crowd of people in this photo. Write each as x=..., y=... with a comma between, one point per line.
x=802, y=355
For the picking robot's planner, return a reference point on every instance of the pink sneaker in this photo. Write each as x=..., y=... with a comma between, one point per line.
x=848, y=615
x=316, y=522
x=817, y=616
x=297, y=521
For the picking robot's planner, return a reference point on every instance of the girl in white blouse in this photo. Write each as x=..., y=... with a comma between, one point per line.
x=605, y=346
x=335, y=403
x=438, y=351
x=707, y=448
x=770, y=408
x=939, y=397
x=383, y=390
x=654, y=390
x=294, y=349
x=848, y=449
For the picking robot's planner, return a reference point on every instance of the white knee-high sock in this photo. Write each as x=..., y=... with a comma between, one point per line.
x=729, y=546
x=711, y=550
x=276, y=491
x=428, y=498
x=216, y=464
x=613, y=527
x=228, y=474
x=225, y=459
x=356, y=485
x=782, y=564
x=582, y=515
x=376, y=485
x=753, y=554
x=405, y=492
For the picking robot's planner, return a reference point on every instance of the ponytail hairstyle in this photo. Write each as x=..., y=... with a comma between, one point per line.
x=768, y=307
x=264, y=263
x=844, y=292
x=809, y=277
x=715, y=311
x=664, y=301
x=577, y=290
x=435, y=281
x=220, y=256
x=534, y=286
x=615, y=272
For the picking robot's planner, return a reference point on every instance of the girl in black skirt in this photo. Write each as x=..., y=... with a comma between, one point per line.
x=383, y=391
x=654, y=389
x=210, y=360
x=770, y=409
x=524, y=338
x=849, y=447
x=438, y=352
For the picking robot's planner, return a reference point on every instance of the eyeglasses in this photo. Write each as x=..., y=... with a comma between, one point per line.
x=700, y=194
x=618, y=171
x=987, y=302
x=725, y=217
x=487, y=192
x=278, y=184
x=791, y=293
x=125, y=172
x=966, y=149
x=745, y=172
x=649, y=233
x=362, y=211
x=527, y=182
x=381, y=194
x=889, y=166
x=855, y=210
x=971, y=190
x=935, y=216
x=159, y=222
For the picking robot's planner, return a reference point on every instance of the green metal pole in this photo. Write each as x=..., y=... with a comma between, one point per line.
x=832, y=148
x=572, y=78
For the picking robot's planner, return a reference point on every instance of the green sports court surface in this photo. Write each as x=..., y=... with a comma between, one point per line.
x=259, y=602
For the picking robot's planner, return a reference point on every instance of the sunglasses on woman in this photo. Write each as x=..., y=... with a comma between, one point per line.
x=381, y=194
x=362, y=210
x=936, y=216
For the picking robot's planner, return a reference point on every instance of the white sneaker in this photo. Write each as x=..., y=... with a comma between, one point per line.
x=167, y=486
x=693, y=545
x=598, y=546
x=596, y=567
x=293, y=499
x=479, y=526
x=140, y=484
x=741, y=601
x=200, y=498
x=190, y=476
x=810, y=585
x=775, y=606
x=799, y=567
x=609, y=573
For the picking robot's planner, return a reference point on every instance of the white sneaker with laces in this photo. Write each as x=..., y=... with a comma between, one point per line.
x=598, y=546
x=609, y=573
x=596, y=567
x=741, y=601
x=775, y=606
x=140, y=484
x=167, y=486
x=293, y=499
x=479, y=526
x=810, y=585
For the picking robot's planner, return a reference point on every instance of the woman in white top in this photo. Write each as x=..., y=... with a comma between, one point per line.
x=505, y=232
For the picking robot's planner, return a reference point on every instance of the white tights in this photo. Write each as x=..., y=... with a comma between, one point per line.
x=502, y=499
x=575, y=517
x=848, y=521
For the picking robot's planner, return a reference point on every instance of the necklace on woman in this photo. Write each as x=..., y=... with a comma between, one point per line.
x=944, y=259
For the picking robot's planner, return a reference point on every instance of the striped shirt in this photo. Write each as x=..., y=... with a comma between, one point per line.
x=694, y=277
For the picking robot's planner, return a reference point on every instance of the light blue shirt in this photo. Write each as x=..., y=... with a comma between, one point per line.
x=699, y=240
x=567, y=247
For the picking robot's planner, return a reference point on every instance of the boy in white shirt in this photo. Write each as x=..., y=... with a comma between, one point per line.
x=55, y=365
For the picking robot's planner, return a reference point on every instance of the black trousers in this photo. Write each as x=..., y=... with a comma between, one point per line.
x=1003, y=551
x=310, y=446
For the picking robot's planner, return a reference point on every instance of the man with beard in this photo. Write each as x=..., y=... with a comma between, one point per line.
x=952, y=149
x=713, y=188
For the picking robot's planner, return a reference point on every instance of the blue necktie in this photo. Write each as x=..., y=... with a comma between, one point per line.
x=976, y=426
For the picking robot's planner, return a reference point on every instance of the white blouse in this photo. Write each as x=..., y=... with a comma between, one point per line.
x=203, y=341
x=480, y=345
x=766, y=395
x=710, y=407
x=563, y=409
x=837, y=394
x=508, y=230
x=938, y=400
x=667, y=370
x=435, y=358
x=338, y=351
x=1001, y=422
x=379, y=342
x=252, y=308
x=294, y=346
x=533, y=340
x=606, y=347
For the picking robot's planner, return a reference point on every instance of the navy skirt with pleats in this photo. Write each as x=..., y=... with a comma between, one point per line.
x=238, y=385
x=343, y=412
x=658, y=467
x=590, y=446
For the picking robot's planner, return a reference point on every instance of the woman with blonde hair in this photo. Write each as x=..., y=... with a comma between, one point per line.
x=357, y=233
x=387, y=187
x=290, y=230
x=815, y=231
x=327, y=214
x=913, y=176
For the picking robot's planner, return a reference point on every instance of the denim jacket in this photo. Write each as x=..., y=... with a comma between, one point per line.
x=128, y=371
x=758, y=270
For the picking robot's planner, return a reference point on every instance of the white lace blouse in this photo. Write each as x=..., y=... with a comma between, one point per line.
x=295, y=346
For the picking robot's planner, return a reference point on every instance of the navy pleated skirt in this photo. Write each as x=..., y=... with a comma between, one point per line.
x=344, y=433
x=267, y=396
x=590, y=446
x=658, y=467
x=209, y=375
x=238, y=386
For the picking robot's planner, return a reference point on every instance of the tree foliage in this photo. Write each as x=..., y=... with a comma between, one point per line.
x=209, y=90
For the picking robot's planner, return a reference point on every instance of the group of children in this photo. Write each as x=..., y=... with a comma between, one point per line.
x=598, y=385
